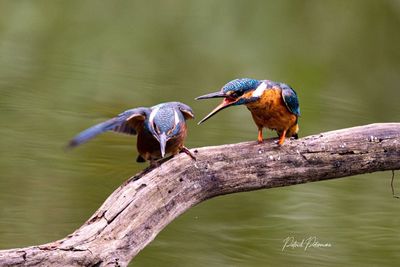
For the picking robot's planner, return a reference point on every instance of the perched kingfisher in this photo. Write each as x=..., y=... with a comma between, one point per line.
x=273, y=105
x=161, y=130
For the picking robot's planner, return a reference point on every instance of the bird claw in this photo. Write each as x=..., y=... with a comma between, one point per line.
x=155, y=163
x=278, y=142
x=187, y=152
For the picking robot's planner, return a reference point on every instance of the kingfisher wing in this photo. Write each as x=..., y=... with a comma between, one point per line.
x=291, y=100
x=127, y=122
x=186, y=110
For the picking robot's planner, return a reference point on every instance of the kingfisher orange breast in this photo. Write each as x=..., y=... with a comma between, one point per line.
x=271, y=111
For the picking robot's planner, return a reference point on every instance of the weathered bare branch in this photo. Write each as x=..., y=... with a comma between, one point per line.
x=140, y=208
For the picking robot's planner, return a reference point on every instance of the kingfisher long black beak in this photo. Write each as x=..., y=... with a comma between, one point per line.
x=211, y=95
x=227, y=102
x=162, y=139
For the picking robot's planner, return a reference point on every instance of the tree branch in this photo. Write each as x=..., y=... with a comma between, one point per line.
x=139, y=209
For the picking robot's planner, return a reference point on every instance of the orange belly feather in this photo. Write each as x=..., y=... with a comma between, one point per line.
x=271, y=112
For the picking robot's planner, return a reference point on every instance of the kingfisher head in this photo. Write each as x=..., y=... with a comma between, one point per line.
x=167, y=120
x=236, y=92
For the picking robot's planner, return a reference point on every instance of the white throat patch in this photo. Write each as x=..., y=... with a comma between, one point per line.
x=152, y=115
x=260, y=90
x=176, y=117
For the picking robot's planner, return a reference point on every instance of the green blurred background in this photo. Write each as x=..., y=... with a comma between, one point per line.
x=65, y=65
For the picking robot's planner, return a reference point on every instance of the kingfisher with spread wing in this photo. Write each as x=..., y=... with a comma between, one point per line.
x=273, y=105
x=160, y=130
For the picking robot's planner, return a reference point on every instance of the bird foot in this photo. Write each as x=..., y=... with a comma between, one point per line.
x=155, y=164
x=158, y=162
x=187, y=152
x=278, y=142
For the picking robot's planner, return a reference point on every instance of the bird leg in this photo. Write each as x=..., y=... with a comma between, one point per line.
x=260, y=135
x=158, y=162
x=187, y=151
x=282, y=138
x=155, y=163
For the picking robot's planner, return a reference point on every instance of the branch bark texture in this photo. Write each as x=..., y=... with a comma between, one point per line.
x=139, y=209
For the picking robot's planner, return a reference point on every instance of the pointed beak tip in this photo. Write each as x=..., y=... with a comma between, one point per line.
x=220, y=107
x=211, y=95
x=201, y=97
x=163, y=143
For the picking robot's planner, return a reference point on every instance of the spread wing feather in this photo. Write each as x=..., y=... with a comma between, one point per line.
x=185, y=109
x=126, y=122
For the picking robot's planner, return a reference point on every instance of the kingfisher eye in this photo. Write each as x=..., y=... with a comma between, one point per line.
x=236, y=94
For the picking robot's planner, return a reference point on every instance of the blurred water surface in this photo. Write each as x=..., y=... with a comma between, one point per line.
x=65, y=65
